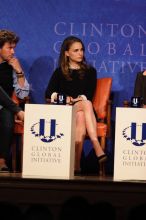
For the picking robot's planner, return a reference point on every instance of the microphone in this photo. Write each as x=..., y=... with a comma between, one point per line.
x=136, y=102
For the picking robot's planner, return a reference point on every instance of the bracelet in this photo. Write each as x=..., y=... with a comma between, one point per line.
x=20, y=75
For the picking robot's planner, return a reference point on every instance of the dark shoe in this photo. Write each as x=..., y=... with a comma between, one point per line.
x=102, y=158
x=4, y=169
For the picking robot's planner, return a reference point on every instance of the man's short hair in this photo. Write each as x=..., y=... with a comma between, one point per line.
x=8, y=36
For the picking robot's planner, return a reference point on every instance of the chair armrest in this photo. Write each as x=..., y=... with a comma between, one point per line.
x=107, y=117
x=26, y=99
x=20, y=102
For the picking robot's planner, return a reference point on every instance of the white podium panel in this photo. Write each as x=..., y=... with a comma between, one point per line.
x=49, y=143
x=130, y=144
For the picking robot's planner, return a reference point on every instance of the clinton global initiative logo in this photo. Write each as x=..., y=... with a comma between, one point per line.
x=136, y=134
x=46, y=130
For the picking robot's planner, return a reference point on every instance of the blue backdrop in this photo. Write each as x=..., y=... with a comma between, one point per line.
x=114, y=33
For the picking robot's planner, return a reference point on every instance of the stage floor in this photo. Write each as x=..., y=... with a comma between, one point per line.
x=23, y=191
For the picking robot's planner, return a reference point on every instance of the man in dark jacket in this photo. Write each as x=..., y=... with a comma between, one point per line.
x=12, y=78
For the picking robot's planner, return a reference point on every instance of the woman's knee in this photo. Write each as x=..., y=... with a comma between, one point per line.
x=88, y=104
x=88, y=107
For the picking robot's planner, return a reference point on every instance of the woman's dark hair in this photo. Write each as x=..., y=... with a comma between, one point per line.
x=8, y=36
x=63, y=61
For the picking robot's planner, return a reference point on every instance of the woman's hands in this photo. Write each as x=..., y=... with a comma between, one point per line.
x=69, y=99
x=72, y=101
x=54, y=97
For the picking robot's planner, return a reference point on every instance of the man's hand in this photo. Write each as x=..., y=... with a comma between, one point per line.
x=14, y=62
x=20, y=115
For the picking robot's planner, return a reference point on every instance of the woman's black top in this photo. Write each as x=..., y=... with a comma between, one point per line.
x=76, y=86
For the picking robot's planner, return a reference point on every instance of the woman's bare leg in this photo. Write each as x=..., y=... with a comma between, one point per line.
x=90, y=124
x=79, y=139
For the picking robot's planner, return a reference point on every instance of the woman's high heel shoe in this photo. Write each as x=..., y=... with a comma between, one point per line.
x=102, y=158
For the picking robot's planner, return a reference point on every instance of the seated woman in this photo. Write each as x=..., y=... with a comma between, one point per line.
x=77, y=80
x=140, y=86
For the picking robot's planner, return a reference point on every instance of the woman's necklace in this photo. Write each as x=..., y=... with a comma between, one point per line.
x=74, y=67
